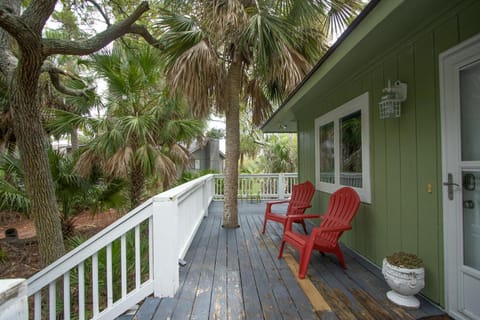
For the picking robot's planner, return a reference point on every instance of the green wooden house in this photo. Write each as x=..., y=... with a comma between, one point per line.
x=393, y=110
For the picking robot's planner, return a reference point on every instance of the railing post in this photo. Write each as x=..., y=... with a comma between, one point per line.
x=165, y=248
x=281, y=186
x=13, y=299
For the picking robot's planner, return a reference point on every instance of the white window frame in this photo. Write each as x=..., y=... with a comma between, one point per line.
x=360, y=103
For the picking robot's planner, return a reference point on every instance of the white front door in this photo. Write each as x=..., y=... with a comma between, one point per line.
x=460, y=103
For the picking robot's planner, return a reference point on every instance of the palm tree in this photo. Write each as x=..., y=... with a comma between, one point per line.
x=222, y=51
x=74, y=193
x=143, y=128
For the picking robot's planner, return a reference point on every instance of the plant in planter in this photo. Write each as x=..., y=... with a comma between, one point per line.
x=405, y=274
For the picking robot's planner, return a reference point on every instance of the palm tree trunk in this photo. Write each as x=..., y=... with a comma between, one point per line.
x=32, y=145
x=232, y=115
x=137, y=182
x=74, y=137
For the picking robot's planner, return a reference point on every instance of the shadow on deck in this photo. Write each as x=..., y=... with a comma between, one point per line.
x=235, y=274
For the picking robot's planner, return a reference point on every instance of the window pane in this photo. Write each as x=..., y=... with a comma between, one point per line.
x=470, y=115
x=351, y=150
x=327, y=153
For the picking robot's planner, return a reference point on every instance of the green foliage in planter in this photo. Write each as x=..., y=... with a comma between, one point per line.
x=405, y=260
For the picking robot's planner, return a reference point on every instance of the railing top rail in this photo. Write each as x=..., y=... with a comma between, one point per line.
x=289, y=174
x=182, y=191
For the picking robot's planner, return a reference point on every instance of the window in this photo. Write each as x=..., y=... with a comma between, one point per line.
x=197, y=164
x=342, y=148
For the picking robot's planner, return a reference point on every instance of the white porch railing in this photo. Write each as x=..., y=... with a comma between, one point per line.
x=135, y=256
x=105, y=276
x=264, y=186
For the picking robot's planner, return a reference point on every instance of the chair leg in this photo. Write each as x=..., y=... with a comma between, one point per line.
x=280, y=253
x=304, y=227
x=264, y=224
x=339, y=254
x=304, y=261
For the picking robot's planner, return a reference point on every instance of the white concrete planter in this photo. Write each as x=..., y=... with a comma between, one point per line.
x=405, y=283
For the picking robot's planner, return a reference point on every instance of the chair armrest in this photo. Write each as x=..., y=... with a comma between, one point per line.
x=303, y=216
x=277, y=201
x=296, y=217
x=271, y=203
x=318, y=230
x=302, y=207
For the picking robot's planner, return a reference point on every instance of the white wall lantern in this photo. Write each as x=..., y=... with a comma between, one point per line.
x=390, y=103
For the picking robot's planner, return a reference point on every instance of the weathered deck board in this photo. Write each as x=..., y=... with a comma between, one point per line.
x=235, y=274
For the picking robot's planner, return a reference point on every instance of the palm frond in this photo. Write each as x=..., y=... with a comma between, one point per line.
x=111, y=194
x=166, y=169
x=145, y=156
x=290, y=69
x=136, y=127
x=182, y=130
x=11, y=166
x=62, y=122
x=88, y=159
x=179, y=154
x=196, y=73
x=223, y=21
x=179, y=34
x=119, y=163
x=339, y=14
x=12, y=198
x=268, y=35
x=260, y=105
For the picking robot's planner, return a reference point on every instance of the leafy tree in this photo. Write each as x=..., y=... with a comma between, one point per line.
x=144, y=126
x=280, y=153
x=222, y=52
x=21, y=65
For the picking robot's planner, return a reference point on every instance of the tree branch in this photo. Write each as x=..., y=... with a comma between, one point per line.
x=142, y=31
x=99, y=8
x=17, y=28
x=91, y=45
x=37, y=14
x=55, y=73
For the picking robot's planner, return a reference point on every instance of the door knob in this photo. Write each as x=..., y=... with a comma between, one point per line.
x=450, y=184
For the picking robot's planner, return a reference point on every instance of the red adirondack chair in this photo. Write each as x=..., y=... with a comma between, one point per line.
x=302, y=195
x=342, y=207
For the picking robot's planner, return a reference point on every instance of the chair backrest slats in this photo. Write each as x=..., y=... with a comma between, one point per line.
x=342, y=207
x=302, y=195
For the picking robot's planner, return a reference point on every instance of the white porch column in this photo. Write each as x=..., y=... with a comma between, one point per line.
x=13, y=299
x=165, y=246
x=281, y=186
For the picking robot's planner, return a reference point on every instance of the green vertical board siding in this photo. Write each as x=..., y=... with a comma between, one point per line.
x=469, y=21
x=405, y=153
x=408, y=154
x=379, y=173
x=306, y=155
x=392, y=158
x=428, y=223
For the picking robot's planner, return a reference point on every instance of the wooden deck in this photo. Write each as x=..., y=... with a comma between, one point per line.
x=235, y=274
